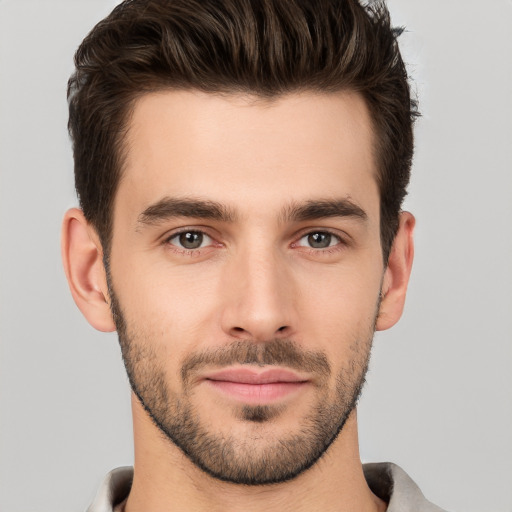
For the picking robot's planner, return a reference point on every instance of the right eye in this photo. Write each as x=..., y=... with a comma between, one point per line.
x=190, y=240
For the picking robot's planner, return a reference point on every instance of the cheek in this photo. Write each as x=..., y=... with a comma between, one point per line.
x=168, y=305
x=339, y=305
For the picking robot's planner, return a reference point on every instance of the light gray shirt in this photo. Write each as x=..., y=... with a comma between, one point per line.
x=388, y=481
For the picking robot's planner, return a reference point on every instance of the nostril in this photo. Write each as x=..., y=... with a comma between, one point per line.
x=281, y=329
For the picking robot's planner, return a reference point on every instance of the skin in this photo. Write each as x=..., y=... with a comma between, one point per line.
x=254, y=279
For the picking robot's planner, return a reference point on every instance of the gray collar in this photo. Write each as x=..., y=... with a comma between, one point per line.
x=393, y=485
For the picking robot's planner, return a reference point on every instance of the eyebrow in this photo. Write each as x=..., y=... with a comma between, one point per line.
x=171, y=207
x=318, y=209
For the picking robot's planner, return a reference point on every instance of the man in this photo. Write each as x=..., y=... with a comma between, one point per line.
x=240, y=167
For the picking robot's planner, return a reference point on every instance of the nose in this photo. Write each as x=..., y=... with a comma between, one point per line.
x=258, y=297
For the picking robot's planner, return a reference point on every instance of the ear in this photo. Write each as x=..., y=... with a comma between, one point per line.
x=396, y=276
x=82, y=256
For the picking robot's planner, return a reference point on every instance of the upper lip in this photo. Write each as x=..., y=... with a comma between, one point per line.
x=252, y=376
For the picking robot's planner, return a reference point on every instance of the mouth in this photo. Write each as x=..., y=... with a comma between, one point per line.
x=256, y=387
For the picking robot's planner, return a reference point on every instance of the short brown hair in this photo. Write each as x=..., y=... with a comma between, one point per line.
x=262, y=47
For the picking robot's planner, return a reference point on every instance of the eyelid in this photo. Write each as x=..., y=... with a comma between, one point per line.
x=186, y=229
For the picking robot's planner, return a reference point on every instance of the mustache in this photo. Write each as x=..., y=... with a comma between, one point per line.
x=278, y=352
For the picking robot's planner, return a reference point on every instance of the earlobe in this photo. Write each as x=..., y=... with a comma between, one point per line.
x=82, y=256
x=396, y=276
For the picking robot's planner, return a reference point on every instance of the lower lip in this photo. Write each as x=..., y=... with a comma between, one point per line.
x=256, y=393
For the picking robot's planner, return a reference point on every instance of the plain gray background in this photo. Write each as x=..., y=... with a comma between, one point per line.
x=439, y=395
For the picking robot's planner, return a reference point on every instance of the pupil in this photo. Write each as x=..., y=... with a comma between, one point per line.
x=191, y=240
x=319, y=240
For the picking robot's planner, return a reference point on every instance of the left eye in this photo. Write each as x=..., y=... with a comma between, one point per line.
x=190, y=240
x=319, y=240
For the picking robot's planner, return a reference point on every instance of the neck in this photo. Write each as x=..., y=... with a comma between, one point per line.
x=165, y=479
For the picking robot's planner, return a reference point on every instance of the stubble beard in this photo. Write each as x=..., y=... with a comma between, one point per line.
x=258, y=458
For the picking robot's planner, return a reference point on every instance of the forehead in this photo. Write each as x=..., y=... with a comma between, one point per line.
x=248, y=152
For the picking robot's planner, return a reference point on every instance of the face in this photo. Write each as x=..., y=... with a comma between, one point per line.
x=245, y=274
